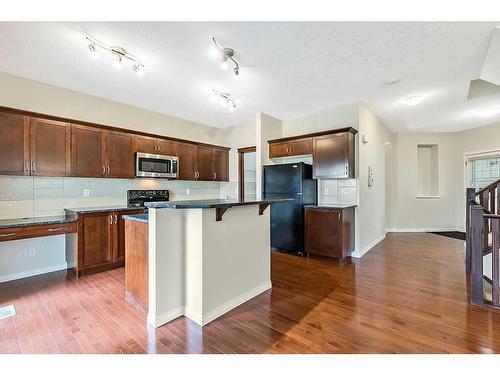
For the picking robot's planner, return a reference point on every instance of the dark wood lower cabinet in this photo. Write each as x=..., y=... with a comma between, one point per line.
x=329, y=231
x=136, y=263
x=99, y=243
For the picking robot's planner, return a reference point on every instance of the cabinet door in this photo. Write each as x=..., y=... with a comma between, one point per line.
x=221, y=165
x=87, y=151
x=119, y=155
x=119, y=234
x=279, y=149
x=205, y=163
x=14, y=144
x=50, y=148
x=301, y=146
x=187, y=161
x=146, y=145
x=95, y=239
x=166, y=147
x=330, y=156
x=323, y=232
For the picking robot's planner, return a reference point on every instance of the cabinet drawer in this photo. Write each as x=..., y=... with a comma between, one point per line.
x=9, y=234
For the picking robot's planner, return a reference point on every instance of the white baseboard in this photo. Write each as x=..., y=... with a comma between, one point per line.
x=221, y=310
x=162, y=319
x=359, y=254
x=38, y=271
x=422, y=230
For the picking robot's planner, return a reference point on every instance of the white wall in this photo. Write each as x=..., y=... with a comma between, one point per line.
x=267, y=127
x=370, y=213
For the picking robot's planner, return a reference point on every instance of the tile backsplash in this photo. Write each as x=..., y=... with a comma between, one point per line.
x=343, y=191
x=46, y=196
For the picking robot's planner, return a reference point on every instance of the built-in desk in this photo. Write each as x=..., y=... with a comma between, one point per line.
x=17, y=229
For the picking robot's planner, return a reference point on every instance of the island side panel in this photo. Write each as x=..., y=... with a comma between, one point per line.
x=236, y=258
x=166, y=265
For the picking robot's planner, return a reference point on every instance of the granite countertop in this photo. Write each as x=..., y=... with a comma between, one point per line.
x=338, y=206
x=143, y=218
x=31, y=221
x=214, y=203
x=88, y=210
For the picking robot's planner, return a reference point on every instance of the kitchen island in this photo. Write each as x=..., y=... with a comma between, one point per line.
x=206, y=257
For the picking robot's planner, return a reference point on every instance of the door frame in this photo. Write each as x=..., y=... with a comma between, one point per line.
x=241, y=168
x=471, y=156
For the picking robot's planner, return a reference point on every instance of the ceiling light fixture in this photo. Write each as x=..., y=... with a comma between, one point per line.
x=414, y=99
x=225, y=54
x=392, y=81
x=119, y=55
x=488, y=112
x=224, y=99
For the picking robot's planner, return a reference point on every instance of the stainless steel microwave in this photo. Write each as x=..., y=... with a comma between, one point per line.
x=156, y=166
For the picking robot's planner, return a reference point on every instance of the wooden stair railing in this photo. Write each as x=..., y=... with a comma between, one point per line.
x=483, y=223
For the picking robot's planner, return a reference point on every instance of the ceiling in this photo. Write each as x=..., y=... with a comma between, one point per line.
x=288, y=69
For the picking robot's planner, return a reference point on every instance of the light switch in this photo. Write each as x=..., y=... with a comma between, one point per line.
x=188, y=191
x=86, y=193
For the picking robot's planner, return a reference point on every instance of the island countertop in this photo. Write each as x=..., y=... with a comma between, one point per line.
x=140, y=218
x=215, y=203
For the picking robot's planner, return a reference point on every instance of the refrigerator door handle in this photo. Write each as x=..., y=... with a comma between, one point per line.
x=299, y=193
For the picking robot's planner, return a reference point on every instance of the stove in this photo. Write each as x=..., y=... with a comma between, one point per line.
x=137, y=198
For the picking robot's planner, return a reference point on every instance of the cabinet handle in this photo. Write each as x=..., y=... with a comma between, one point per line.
x=103, y=170
x=215, y=176
x=116, y=219
x=7, y=235
x=108, y=169
x=55, y=229
x=110, y=219
x=27, y=167
x=33, y=167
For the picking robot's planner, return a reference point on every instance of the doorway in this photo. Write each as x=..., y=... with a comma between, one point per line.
x=247, y=170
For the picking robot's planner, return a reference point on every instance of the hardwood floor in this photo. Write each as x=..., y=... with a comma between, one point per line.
x=407, y=295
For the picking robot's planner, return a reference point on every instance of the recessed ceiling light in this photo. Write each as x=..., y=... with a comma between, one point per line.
x=392, y=81
x=488, y=112
x=414, y=99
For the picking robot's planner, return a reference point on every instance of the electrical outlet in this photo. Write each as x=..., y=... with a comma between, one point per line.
x=188, y=191
x=32, y=253
x=325, y=191
x=86, y=193
x=23, y=254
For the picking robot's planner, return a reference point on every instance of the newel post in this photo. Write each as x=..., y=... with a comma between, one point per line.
x=470, y=197
x=476, y=250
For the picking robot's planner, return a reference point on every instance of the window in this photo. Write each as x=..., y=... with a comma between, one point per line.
x=484, y=171
x=427, y=171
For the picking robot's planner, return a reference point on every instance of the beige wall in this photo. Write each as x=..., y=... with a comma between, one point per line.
x=35, y=96
x=267, y=127
x=371, y=210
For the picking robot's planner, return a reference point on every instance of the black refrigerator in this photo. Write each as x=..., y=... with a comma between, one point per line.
x=295, y=181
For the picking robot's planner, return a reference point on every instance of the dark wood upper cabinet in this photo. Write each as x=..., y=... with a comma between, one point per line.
x=205, y=163
x=87, y=151
x=303, y=146
x=14, y=144
x=187, y=161
x=119, y=155
x=278, y=149
x=221, y=165
x=50, y=149
x=333, y=156
x=146, y=145
x=166, y=147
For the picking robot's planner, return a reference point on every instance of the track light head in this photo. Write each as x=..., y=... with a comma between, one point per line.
x=227, y=54
x=225, y=100
x=139, y=69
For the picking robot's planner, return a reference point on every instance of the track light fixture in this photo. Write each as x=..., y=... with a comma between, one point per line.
x=224, y=99
x=225, y=54
x=119, y=55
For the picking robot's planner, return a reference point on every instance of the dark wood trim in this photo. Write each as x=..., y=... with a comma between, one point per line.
x=262, y=208
x=100, y=268
x=333, y=131
x=243, y=150
x=219, y=212
x=241, y=168
x=104, y=127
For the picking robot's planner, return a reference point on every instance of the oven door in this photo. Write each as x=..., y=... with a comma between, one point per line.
x=158, y=166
